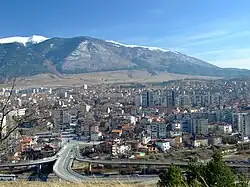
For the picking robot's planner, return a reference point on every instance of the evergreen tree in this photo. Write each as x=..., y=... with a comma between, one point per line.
x=214, y=174
x=194, y=173
x=172, y=178
x=217, y=174
x=243, y=181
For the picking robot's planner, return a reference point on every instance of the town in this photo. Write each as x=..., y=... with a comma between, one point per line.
x=167, y=122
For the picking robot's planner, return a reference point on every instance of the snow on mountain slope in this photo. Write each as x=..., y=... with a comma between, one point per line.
x=24, y=40
x=117, y=44
x=83, y=54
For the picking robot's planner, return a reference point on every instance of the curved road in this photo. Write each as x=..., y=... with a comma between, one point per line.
x=30, y=162
x=66, y=156
x=136, y=162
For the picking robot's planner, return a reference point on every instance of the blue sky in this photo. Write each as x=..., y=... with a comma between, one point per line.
x=217, y=31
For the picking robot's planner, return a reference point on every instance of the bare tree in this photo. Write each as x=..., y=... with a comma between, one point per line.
x=5, y=111
x=31, y=116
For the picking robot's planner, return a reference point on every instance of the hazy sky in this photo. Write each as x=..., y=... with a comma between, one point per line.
x=217, y=31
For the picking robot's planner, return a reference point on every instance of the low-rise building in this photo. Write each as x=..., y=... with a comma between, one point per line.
x=163, y=145
x=200, y=142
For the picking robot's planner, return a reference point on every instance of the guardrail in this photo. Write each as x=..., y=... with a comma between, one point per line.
x=132, y=162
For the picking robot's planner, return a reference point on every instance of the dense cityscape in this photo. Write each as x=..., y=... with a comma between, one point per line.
x=123, y=124
x=125, y=93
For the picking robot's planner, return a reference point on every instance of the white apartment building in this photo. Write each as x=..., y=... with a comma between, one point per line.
x=138, y=100
x=199, y=126
x=184, y=100
x=176, y=126
x=157, y=129
x=147, y=99
x=61, y=118
x=226, y=129
x=243, y=124
x=164, y=145
x=120, y=149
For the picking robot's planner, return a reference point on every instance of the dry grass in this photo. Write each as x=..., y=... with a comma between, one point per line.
x=65, y=184
x=47, y=80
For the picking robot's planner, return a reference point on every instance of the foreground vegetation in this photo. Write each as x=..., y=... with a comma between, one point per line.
x=65, y=184
x=213, y=174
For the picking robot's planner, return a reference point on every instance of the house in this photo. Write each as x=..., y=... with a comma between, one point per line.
x=88, y=127
x=94, y=136
x=200, y=142
x=226, y=128
x=146, y=139
x=221, y=128
x=26, y=143
x=105, y=147
x=177, y=141
x=176, y=126
x=152, y=149
x=163, y=145
x=157, y=128
x=49, y=148
x=214, y=141
x=118, y=149
x=116, y=133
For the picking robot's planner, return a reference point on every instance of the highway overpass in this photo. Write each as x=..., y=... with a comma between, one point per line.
x=70, y=152
x=140, y=162
x=30, y=162
x=66, y=156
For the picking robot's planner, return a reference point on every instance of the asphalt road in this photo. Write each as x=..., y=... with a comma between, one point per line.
x=70, y=151
x=60, y=167
x=136, y=162
x=30, y=162
x=66, y=156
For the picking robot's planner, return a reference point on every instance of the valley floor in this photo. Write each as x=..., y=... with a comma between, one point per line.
x=49, y=80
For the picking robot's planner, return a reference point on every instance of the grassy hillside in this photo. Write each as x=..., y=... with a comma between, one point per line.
x=49, y=80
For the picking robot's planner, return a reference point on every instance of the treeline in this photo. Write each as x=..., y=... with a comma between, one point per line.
x=215, y=173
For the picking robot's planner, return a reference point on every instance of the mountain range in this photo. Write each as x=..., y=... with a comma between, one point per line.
x=26, y=56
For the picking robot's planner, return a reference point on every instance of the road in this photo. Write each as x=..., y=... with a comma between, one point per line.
x=30, y=162
x=70, y=152
x=136, y=162
x=63, y=163
x=66, y=156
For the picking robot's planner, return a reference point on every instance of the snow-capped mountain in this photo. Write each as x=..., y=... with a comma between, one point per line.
x=138, y=46
x=24, y=40
x=86, y=54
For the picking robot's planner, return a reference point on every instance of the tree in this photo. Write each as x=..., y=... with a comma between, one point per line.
x=214, y=174
x=172, y=178
x=34, y=114
x=243, y=181
x=217, y=173
x=194, y=173
x=4, y=111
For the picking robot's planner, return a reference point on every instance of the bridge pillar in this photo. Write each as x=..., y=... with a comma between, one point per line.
x=11, y=169
x=38, y=170
x=38, y=167
x=90, y=169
